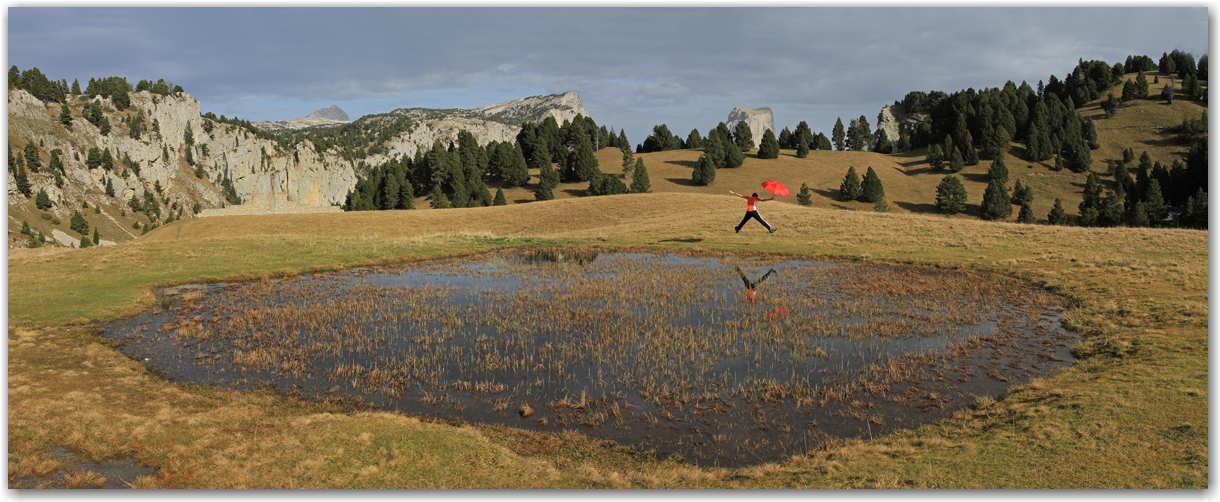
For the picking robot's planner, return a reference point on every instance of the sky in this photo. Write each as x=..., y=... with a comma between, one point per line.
x=633, y=68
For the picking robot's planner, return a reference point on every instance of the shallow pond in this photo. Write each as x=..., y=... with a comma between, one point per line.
x=723, y=360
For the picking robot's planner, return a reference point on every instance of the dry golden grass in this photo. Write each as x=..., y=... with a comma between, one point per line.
x=1131, y=414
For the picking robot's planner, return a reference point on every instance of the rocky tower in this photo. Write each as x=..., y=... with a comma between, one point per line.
x=759, y=120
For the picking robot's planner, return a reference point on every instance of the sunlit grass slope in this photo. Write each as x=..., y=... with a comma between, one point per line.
x=1131, y=413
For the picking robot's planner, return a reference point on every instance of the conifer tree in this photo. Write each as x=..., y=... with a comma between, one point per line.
x=956, y=164
x=23, y=185
x=850, y=188
x=639, y=178
x=951, y=195
x=1057, y=216
x=998, y=171
x=548, y=179
x=25, y=228
x=802, y=144
x=743, y=137
x=1195, y=213
x=870, y=188
x=582, y=164
x=406, y=194
x=785, y=139
x=837, y=134
x=883, y=143
x=85, y=242
x=517, y=171
x=803, y=197
x=769, y=147
x=1154, y=204
x=389, y=192
x=733, y=156
x=1026, y=215
x=97, y=238
x=499, y=200
x=936, y=158
x=705, y=171
x=65, y=115
x=439, y=200
x=996, y=204
x=32, y=160
x=78, y=223
x=694, y=141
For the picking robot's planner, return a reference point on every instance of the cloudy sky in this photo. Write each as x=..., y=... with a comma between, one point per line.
x=632, y=67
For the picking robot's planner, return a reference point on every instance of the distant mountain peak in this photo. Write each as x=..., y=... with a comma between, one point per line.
x=331, y=112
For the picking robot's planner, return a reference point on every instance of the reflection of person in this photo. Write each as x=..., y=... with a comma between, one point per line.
x=752, y=211
x=751, y=286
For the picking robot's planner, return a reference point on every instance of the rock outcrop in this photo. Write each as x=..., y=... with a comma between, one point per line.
x=759, y=120
x=331, y=112
x=272, y=177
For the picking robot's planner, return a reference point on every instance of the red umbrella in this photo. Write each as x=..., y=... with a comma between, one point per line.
x=775, y=187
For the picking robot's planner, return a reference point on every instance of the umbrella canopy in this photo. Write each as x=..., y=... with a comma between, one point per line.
x=775, y=187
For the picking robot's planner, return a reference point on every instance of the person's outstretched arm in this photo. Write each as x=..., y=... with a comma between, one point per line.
x=737, y=194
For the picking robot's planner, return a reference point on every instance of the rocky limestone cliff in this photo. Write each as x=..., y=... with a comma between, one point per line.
x=331, y=112
x=759, y=120
x=261, y=171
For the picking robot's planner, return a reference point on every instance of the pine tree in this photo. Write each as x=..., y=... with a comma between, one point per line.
x=951, y=195
x=705, y=171
x=23, y=185
x=769, y=147
x=1057, y=215
x=109, y=188
x=733, y=156
x=499, y=200
x=883, y=143
x=956, y=164
x=803, y=197
x=850, y=188
x=1138, y=216
x=936, y=158
x=996, y=204
x=1155, y=204
x=743, y=137
x=639, y=178
x=1027, y=213
x=65, y=115
x=693, y=140
x=389, y=192
x=602, y=184
x=785, y=139
x=582, y=164
x=439, y=200
x=25, y=228
x=870, y=188
x=998, y=171
x=97, y=238
x=837, y=134
x=32, y=160
x=1195, y=213
x=517, y=171
x=85, y=242
x=78, y=223
x=548, y=179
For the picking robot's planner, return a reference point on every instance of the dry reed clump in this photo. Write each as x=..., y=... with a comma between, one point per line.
x=86, y=479
x=678, y=334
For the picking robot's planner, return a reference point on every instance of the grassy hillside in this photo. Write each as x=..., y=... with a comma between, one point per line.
x=910, y=185
x=1132, y=412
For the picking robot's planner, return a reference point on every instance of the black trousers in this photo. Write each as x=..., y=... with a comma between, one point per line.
x=752, y=214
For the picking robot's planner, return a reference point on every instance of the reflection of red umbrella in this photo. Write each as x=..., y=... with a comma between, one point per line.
x=775, y=187
x=775, y=313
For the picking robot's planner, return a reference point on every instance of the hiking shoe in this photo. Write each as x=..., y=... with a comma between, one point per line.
x=772, y=229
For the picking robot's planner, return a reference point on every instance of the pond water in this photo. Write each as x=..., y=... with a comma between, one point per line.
x=724, y=360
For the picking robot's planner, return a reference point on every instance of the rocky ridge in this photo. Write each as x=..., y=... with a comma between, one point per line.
x=261, y=170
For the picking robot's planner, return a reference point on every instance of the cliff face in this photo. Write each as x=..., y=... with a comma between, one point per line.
x=260, y=170
x=759, y=120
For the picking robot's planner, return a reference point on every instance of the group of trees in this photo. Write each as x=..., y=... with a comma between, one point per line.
x=867, y=190
x=37, y=84
x=456, y=176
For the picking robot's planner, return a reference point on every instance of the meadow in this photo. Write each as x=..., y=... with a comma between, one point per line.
x=1131, y=412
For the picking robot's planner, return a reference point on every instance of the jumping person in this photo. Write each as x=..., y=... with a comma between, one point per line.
x=752, y=212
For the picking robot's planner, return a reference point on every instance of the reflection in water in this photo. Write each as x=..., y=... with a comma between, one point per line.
x=648, y=350
x=752, y=286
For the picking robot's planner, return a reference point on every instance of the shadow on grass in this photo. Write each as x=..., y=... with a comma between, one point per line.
x=684, y=163
x=684, y=239
x=682, y=181
x=826, y=192
x=576, y=192
x=918, y=207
